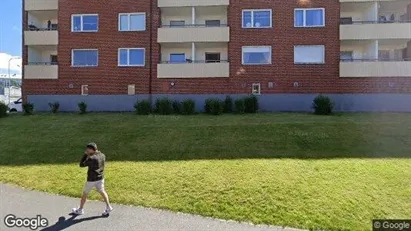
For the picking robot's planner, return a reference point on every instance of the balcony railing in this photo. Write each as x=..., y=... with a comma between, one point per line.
x=195, y=61
x=43, y=63
x=376, y=60
x=375, y=68
x=35, y=28
x=193, y=33
x=348, y=22
x=193, y=25
x=196, y=69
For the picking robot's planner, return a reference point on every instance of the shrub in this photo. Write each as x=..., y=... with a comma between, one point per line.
x=3, y=109
x=323, y=105
x=188, y=107
x=214, y=106
x=251, y=104
x=239, y=106
x=28, y=108
x=176, y=107
x=82, y=107
x=164, y=106
x=54, y=107
x=207, y=105
x=142, y=107
x=228, y=104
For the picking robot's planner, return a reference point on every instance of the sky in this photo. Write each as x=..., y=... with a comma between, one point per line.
x=10, y=35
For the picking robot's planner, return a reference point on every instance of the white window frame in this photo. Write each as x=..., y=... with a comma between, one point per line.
x=305, y=17
x=72, y=57
x=81, y=30
x=242, y=55
x=129, y=21
x=309, y=63
x=128, y=57
x=82, y=89
x=252, y=18
x=259, y=88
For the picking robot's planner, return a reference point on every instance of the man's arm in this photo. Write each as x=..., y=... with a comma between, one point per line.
x=85, y=161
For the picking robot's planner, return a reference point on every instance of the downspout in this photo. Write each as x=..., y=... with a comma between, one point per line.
x=151, y=55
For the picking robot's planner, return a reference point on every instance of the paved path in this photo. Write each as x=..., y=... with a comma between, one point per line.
x=24, y=203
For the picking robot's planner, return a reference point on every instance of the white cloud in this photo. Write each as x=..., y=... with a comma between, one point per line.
x=15, y=64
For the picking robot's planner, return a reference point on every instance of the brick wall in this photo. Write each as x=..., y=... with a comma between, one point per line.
x=110, y=79
x=107, y=78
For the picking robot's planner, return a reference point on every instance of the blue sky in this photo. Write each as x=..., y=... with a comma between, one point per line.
x=10, y=27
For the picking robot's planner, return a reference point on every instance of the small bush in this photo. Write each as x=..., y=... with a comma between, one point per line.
x=239, y=106
x=28, y=108
x=207, y=105
x=188, y=107
x=82, y=107
x=323, y=105
x=142, y=107
x=3, y=109
x=228, y=104
x=54, y=107
x=214, y=106
x=164, y=106
x=251, y=104
x=176, y=107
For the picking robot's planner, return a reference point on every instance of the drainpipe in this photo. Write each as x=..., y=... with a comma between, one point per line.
x=151, y=55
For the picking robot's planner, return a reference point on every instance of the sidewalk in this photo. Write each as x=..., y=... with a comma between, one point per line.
x=24, y=203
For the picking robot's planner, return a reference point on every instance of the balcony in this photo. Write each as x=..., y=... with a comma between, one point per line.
x=193, y=33
x=193, y=70
x=41, y=37
x=189, y=3
x=376, y=30
x=41, y=71
x=375, y=68
x=33, y=5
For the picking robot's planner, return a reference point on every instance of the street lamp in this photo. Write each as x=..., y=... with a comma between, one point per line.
x=12, y=58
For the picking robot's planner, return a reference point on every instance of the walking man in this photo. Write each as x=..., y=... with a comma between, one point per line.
x=94, y=160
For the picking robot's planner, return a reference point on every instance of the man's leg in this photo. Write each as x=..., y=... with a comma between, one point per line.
x=83, y=200
x=103, y=193
x=87, y=188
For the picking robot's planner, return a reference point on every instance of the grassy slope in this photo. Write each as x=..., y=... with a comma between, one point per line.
x=41, y=152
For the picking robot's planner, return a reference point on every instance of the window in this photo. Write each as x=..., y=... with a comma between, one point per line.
x=257, y=18
x=132, y=22
x=309, y=54
x=177, y=58
x=84, y=58
x=211, y=23
x=346, y=55
x=212, y=57
x=309, y=17
x=131, y=89
x=84, y=89
x=84, y=23
x=53, y=59
x=131, y=57
x=256, y=89
x=256, y=55
x=175, y=23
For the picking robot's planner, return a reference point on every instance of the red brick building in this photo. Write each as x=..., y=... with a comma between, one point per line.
x=112, y=53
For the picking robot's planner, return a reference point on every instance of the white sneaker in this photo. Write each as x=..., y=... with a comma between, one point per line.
x=107, y=211
x=77, y=211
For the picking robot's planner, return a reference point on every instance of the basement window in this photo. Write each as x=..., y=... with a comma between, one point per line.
x=131, y=90
x=84, y=89
x=256, y=89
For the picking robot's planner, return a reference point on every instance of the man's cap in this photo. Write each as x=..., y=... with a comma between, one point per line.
x=92, y=146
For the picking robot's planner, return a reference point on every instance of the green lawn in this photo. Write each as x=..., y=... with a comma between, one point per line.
x=296, y=170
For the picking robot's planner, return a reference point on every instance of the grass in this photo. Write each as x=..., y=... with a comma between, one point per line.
x=295, y=170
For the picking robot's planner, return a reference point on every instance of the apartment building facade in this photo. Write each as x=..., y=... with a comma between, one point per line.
x=112, y=53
